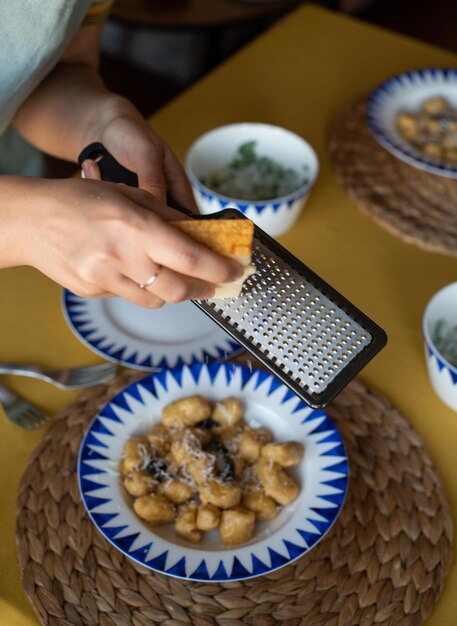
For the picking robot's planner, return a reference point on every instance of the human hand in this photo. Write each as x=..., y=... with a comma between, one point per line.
x=104, y=239
x=133, y=143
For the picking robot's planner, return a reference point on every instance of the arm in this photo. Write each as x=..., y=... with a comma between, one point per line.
x=61, y=114
x=95, y=238
x=102, y=239
x=72, y=108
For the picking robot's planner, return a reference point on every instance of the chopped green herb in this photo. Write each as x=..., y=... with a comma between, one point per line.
x=445, y=340
x=249, y=176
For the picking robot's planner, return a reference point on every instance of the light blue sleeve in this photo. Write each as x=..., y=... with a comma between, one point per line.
x=34, y=34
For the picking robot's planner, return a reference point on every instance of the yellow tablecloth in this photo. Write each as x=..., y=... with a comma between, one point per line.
x=297, y=75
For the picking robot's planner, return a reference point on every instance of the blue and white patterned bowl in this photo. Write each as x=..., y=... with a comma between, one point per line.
x=322, y=475
x=406, y=93
x=217, y=147
x=146, y=339
x=443, y=375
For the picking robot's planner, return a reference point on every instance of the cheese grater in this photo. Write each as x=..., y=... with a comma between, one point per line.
x=305, y=332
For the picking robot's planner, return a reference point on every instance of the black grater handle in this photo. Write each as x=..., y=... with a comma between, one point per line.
x=113, y=172
x=110, y=169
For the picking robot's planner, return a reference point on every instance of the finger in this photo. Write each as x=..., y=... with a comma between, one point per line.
x=89, y=292
x=90, y=169
x=123, y=287
x=86, y=290
x=171, y=248
x=143, y=154
x=151, y=277
x=173, y=287
x=147, y=201
x=175, y=250
x=178, y=185
x=163, y=282
x=103, y=294
x=147, y=162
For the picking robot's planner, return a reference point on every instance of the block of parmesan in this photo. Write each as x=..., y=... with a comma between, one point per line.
x=232, y=238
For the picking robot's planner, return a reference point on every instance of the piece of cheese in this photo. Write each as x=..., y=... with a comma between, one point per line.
x=233, y=289
x=232, y=238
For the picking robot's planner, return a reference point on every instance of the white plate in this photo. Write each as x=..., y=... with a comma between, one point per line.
x=146, y=339
x=406, y=93
x=322, y=475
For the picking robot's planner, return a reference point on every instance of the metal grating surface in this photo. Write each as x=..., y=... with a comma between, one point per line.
x=297, y=325
x=292, y=323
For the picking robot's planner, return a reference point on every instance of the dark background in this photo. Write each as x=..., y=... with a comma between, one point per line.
x=141, y=51
x=153, y=49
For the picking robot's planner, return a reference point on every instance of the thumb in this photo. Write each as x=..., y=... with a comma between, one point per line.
x=151, y=177
x=90, y=169
x=155, y=187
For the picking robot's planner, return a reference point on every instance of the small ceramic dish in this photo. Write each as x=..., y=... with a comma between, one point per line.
x=406, y=93
x=216, y=149
x=441, y=310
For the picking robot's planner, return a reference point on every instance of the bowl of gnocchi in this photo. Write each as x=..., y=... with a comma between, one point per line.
x=414, y=116
x=212, y=472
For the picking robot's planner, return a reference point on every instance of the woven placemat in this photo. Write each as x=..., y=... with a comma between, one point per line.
x=418, y=207
x=383, y=562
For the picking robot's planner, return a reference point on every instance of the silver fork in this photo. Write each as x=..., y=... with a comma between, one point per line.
x=20, y=411
x=65, y=378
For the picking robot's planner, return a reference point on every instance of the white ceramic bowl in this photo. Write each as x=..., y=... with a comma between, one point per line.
x=407, y=92
x=443, y=375
x=217, y=147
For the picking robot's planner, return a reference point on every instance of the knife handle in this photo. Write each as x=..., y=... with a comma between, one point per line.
x=112, y=171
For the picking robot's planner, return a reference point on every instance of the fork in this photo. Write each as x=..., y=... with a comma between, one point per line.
x=20, y=411
x=64, y=378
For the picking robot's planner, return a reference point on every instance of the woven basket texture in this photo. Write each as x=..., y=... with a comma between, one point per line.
x=384, y=561
x=417, y=206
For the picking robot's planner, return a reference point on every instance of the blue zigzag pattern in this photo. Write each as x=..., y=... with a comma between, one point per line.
x=320, y=518
x=78, y=317
x=390, y=87
x=259, y=207
x=442, y=364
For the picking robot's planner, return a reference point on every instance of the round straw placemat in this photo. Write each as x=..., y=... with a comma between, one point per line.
x=383, y=562
x=417, y=206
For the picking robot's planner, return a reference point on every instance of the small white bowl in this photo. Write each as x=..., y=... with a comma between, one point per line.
x=216, y=148
x=406, y=93
x=443, y=375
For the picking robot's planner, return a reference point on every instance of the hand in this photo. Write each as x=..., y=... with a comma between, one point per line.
x=132, y=142
x=103, y=239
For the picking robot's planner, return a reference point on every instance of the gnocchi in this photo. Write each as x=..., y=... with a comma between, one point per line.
x=203, y=468
x=432, y=130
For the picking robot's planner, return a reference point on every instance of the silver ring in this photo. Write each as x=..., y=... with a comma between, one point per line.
x=151, y=280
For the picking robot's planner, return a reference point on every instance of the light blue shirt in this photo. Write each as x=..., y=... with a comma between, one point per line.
x=33, y=37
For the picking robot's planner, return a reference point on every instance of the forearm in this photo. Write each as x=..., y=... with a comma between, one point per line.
x=18, y=199
x=67, y=111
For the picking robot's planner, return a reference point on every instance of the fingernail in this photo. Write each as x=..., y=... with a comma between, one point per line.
x=85, y=169
x=90, y=169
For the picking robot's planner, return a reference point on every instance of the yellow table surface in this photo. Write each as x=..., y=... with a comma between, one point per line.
x=297, y=75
